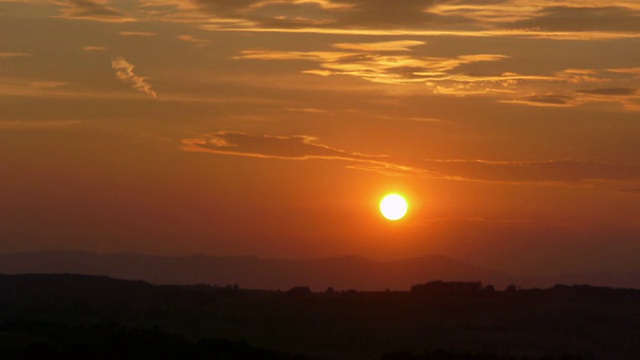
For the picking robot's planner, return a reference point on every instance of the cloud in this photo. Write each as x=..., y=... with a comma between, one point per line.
x=299, y=147
x=591, y=18
x=124, y=72
x=399, y=45
x=403, y=13
x=9, y=55
x=633, y=71
x=337, y=14
x=97, y=49
x=30, y=87
x=226, y=8
x=306, y=110
x=379, y=66
x=609, y=91
x=137, y=33
x=533, y=171
x=544, y=100
x=193, y=40
x=397, y=63
x=573, y=87
x=304, y=147
x=38, y=125
x=96, y=10
x=551, y=19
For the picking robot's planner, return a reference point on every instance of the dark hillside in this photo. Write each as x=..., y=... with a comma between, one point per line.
x=445, y=318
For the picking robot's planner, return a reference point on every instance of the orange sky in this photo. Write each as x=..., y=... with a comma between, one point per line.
x=274, y=127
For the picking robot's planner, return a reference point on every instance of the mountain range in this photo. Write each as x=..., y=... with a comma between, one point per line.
x=341, y=273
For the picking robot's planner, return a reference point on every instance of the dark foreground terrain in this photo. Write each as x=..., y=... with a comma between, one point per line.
x=98, y=317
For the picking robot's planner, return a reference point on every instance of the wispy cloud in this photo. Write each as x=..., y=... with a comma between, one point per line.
x=544, y=100
x=551, y=19
x=193, y=40
x=137, y=33
x=579, y=20
x=533, y=171
x=583, y=18
x=396, y=63
x=95, y=49
x=298, y=148
x=96, y=10
x=30, y=87
x=380, y=67
x=9, y=55
x=303, y=147
x=124, y=72
x=398, y=45
x=609, y=91
x=25, y=125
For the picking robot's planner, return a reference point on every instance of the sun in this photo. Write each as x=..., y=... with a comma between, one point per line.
x=393, y=207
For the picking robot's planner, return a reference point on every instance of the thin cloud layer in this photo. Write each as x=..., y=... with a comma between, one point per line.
x=96, y=10
x=307, y=148
x=396, y=63
x=193, y=40
x=403, y=58
x=383, y=46
x=570, y=18
x=551, y=19
x=9, y=55
x=137, y=33
x=95, y=49
x=544, y=100
x=124, y=72
x=380, y=67
x=609, y=91
x=533, y=171
x=300, y=147
x=27, y=125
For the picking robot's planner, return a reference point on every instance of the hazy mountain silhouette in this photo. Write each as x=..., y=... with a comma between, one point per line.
x=251, y=272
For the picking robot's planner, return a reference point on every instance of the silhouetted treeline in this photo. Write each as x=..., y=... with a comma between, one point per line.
x=441, y=288
x=455, y=355
x=433, y=319
x=42, y=340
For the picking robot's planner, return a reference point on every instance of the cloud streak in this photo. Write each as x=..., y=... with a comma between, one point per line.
x=10, y=55
x=27, y=125
x=609, y=91
x=551, y=19
x=193, y=40
x=382, y=67
x=95, y=10
x=396, y=63
x=124, y=72
x=137, y=33
x=586, y=18
x=95, y=49
x=300, y=148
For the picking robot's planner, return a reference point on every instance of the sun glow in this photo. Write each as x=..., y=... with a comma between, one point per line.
x=393, y=207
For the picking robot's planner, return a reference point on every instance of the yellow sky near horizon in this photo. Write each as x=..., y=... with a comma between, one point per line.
x=274, y=127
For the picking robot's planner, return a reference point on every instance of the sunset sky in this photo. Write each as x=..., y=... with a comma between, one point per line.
x=274, y=127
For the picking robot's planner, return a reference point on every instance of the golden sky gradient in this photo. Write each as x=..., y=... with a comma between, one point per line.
x=273, y=128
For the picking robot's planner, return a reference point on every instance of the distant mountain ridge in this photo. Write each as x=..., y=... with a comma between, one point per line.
x=341, y=273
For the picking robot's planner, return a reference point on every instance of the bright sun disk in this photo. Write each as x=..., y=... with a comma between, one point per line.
x=393, y=207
